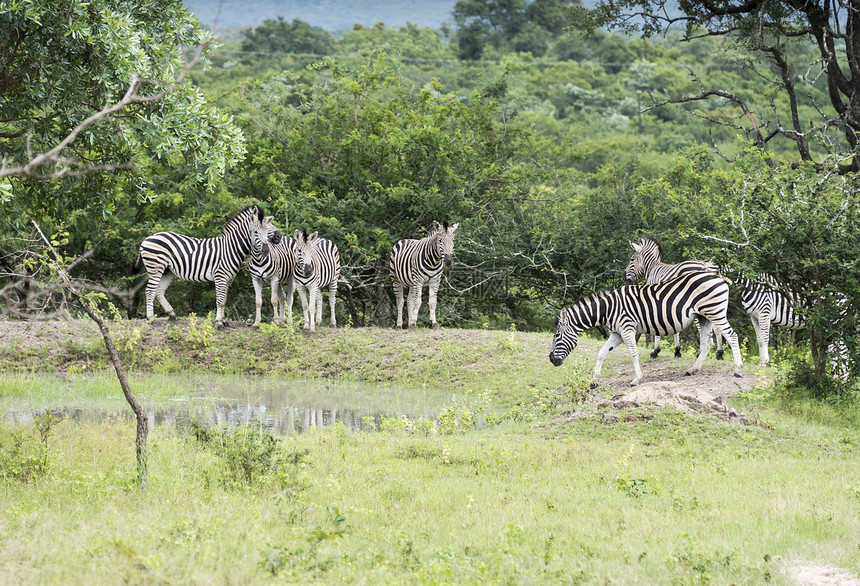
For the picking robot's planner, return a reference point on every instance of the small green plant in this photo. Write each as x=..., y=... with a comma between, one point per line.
x=22, y=458
x=252, y=456
x=200, y=332
x=462, y=414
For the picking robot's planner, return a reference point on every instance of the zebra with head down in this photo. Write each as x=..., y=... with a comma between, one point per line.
x=658, y=309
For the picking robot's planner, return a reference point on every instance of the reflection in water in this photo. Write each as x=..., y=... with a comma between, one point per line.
x=281, y=407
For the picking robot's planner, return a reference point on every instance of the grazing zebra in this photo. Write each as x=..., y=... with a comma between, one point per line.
x=765, y=305
x=415, y=262
x=317, y=265
x=168, y=255
x=647, y=262
x=658, y=309
x=276, y=268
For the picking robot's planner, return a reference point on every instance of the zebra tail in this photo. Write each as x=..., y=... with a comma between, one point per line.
x=137, y=265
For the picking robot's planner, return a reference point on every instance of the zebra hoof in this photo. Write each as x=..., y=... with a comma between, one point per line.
x=222, y=326
x=171, y=317
x=255, y=326
x=677, y=353
x=655, y=354
x=688, y=373
x=737, y=375
x=434, y=325
x=719, y=355
x=592, y=386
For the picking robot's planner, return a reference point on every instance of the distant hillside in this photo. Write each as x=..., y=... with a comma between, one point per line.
x=332, y=15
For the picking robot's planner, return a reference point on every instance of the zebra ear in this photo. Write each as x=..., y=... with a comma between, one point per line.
x=297, y=235
x=434, y=226
x=452, y=228
x=268, y=219
x=312, y=237
x=636, y=247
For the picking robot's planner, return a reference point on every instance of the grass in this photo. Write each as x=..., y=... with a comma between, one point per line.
x=659, y=498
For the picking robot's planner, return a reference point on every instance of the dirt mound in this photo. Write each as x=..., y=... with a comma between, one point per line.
x=685, y=397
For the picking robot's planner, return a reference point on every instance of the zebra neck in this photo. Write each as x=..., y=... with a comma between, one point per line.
x=430, y=251
x=240, y=240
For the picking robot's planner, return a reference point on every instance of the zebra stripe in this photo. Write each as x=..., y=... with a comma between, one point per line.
x=413, y=263
x=658, y=309
x=168, y=255
x=765, y=306
x=275, y=268
x=317, y=265
x=647, y=262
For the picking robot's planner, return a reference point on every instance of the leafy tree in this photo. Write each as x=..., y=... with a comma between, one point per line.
x=798, y=51
x=65, y=61
x=368, y=159
x=507, y=25
x=277, y=37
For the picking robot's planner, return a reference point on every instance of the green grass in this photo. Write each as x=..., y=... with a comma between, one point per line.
x=659, y=497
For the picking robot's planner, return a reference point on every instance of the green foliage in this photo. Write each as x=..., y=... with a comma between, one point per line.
x=251, y=455
x=462, y=414
x=22, y=457
x=274, y=37
x=67, y=61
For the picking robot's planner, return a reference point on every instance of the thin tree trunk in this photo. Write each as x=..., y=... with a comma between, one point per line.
x=142, y=421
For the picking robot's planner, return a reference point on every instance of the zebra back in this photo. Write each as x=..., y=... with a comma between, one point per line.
x=657, y=309
x=414, y=262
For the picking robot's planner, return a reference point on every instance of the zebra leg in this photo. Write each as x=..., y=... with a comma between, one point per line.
x=433, y=289
x=724, y=330
x=613, y=341
x=158, y=292
x=221, y=286
x=629, y=338
x=304, y=299
x=413, y=304
x=656, y=351
x=398, y=295
x=761, y=325
x=677, y=345
x=277, y=301
x=332, y=297
x=705, y=329
x=258, y=299
x=719, y=340
x=314, y=305
x=288, y=299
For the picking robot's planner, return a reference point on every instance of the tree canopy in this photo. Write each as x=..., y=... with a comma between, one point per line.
x=793, y=47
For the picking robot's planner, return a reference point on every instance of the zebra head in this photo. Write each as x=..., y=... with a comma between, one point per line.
x=263, y=232
x=646, y=252
x=444, y=235
x=565, y=338
x=304, y=253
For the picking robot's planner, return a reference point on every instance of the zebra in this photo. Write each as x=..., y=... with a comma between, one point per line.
x=413, y=263
x=168, y=255
x=765, y=305
x=276, y=268
x=647, y=262
x=317, y=265
x=658, y=309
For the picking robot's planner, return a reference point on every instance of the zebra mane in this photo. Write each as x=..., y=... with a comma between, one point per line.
x=254, y=210
x=646, y=240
